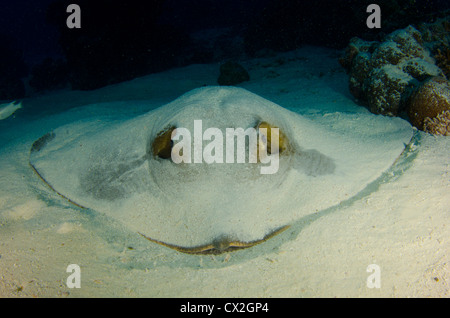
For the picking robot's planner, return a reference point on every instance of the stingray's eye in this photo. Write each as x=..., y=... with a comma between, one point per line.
x=266, y=134
x=162, y=145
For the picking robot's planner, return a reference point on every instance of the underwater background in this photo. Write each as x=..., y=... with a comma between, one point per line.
x=121, y=40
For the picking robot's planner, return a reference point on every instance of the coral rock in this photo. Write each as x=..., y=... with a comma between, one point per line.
x=442, y=57
x=440, y=125
x=421, y=69
x=232, y=73
x=360, y=70
x=382, y=74
x=385, y=88
x=429, y=106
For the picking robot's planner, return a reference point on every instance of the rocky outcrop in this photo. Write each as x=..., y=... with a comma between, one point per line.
x=429, y=106
x=398, y=75
x=382, y=74
x=437, y=39
x=232, y=73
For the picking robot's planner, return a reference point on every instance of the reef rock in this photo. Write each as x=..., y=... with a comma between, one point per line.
x=232, y=73
x=384, y=89
x=404, y=73
x=437, y=40
x=429, y=106
x=382, y=73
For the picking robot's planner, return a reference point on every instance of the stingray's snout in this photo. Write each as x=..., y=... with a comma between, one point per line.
x=222, y=243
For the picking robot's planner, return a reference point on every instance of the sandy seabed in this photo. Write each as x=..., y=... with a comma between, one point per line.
x=400, y=224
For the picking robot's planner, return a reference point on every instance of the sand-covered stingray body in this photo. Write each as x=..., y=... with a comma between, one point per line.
x=124, y=169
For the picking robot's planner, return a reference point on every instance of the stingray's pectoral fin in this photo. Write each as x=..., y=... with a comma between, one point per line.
x=51, y=187
x=222, y=244
x=38, y=146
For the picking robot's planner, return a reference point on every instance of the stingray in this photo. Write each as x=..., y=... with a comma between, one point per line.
x=126, y=170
